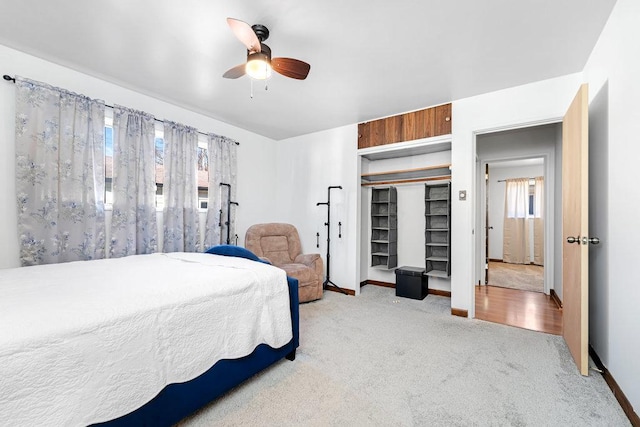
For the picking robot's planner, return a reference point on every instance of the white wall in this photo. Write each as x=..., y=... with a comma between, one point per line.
x=305, y=167
x=256, y=154
x=612, y=72
x=535, y=103
x=496, y=190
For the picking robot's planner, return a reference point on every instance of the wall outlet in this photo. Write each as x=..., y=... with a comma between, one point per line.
x=462, y=195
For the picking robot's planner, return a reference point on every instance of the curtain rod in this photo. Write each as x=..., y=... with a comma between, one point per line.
x=12, y=79
x=504, y=180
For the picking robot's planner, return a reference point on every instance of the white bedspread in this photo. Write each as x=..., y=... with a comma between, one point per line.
x=86, y=342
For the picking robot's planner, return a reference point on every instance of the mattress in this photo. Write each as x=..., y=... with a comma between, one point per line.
x=89, y=341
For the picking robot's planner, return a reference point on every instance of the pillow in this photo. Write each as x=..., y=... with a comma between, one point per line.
x=232, y=250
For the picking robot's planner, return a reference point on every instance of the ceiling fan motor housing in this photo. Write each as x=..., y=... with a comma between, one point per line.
x=263, y=55
x=261, y=31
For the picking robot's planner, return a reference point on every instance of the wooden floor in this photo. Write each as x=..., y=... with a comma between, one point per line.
x=524, y=309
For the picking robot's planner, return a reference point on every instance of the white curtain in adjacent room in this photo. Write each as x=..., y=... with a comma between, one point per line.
x=59, y=174
x=133, y=224
x=538, y=221
x=516, y=225
x=222, y=170
x=180, y=189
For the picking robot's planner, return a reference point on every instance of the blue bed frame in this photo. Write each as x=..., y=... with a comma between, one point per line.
x=177, y=401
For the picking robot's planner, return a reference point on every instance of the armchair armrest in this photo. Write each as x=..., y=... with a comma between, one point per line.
x=313, y=261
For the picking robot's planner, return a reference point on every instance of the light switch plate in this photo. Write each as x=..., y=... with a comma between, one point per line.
x=462, y=195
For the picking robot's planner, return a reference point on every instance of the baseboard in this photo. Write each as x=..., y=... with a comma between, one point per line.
x=499, y=260
x=556, y=298
x=379, y=283
x=615, y=388
x=440, y=293
x=393, y=285
x=333, y=289
x=459, y=312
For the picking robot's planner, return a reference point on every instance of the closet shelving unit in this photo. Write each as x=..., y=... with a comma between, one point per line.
x=438, y=229
x=384, y=228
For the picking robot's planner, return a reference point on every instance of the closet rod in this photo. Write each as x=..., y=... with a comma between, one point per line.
x=12, y=79
x=405, y=181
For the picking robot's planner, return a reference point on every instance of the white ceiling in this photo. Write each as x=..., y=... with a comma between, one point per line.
x=369, y=58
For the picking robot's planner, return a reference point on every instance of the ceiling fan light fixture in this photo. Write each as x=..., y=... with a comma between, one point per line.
x=258, y=66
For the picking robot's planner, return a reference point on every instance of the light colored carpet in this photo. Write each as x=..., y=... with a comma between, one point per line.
x=381, y=360
x=525, y=277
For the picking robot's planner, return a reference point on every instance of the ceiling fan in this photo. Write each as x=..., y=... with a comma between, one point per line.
x=259, y=62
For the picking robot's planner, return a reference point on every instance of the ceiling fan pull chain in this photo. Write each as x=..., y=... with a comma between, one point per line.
x=251, y=88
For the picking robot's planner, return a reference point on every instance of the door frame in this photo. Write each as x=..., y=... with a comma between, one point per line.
x=549, y=207
x=479, y=214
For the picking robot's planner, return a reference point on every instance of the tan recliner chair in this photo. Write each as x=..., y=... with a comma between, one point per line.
x=280, y=245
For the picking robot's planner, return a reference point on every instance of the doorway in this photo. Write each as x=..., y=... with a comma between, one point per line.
x=514, y=243
x=523, y=153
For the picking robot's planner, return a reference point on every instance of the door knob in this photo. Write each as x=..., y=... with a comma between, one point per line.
x=573, y=239
x=592, y=240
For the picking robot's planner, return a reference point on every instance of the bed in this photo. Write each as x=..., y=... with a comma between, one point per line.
x=141, y=340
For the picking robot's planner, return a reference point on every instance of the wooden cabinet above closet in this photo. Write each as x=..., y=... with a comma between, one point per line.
x=420, y=124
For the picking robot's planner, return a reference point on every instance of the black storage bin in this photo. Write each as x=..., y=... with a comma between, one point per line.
x=411, y=282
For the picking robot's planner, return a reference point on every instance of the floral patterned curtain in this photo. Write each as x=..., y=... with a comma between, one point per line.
x=180, y=189
x=133, y=222
x=222, y=169
x=59, y=174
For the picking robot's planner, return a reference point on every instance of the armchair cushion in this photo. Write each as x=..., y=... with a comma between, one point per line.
x=300, y=271
x=313, y=261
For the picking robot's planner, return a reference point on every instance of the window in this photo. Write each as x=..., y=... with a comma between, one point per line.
x=108, y=162
x=532, y=192
x=203, y=166
x=203, y=174
x=159, y=159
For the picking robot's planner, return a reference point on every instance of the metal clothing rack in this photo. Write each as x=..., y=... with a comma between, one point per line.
x=328, y=281
x=228, y=221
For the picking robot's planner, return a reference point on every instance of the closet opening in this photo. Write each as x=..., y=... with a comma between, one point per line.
x=393, y=212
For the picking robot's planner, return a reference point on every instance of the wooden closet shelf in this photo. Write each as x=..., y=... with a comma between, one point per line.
x=402, y=176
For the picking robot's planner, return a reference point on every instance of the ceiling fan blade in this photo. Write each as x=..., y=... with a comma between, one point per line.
x=245, y=34
x=235, y=72
x=290, y=67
